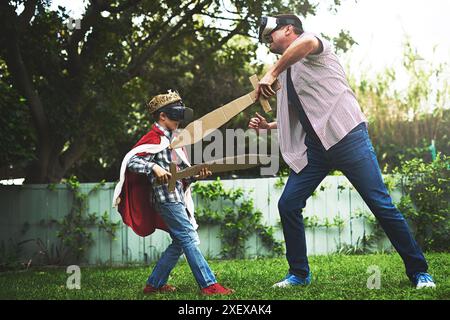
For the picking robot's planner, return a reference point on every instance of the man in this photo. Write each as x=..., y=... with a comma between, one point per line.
x=321, y=128
x=146, y=203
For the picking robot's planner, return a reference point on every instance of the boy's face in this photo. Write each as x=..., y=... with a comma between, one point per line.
x=168, y=123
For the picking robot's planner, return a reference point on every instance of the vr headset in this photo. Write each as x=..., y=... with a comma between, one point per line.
x=178, y=112
x=271, y=24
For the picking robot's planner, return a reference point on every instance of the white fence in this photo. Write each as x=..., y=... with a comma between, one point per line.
x=30, y=206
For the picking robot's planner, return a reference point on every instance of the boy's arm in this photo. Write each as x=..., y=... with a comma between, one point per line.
x=141, y=164
x=145, y=165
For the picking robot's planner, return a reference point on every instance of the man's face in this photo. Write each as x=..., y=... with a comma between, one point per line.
x=277, y=45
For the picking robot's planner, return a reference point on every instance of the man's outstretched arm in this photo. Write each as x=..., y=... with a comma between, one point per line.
x=298, y=50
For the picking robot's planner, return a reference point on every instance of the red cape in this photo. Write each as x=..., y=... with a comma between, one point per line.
x=136, y=206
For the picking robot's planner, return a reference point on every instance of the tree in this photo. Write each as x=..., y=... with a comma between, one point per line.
x=75, y=96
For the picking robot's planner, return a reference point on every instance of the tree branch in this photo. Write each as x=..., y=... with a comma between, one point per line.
x=23, y=82
x=224, y=40
x=73, y=153
x=74, y=62
x=136, y=64
x=27, y=14
x=123, y=6
x=219, y=17
x=163, y=25
x=229, y=11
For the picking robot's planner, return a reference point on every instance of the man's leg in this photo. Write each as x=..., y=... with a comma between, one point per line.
x=298, y=189
x=355, y=157
x=185, y=236
x=166, y=263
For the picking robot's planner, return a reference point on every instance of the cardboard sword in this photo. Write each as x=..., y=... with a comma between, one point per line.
x=198, y=129
x=220, y=165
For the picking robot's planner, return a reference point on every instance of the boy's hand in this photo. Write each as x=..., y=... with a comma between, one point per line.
x=204, y=173
x=162, y=176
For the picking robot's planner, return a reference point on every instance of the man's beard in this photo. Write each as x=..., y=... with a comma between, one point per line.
x=275, y=50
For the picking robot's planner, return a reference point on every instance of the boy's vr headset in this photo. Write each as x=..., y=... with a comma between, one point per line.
x=271, y=24
x=178, y=112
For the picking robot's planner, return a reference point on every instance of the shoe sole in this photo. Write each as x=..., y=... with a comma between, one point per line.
x=426, y=286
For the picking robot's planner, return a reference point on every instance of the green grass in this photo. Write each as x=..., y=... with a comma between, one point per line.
x=334, y=277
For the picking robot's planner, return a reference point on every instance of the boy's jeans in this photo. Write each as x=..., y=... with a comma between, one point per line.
x=184, y=239
x=355, y=157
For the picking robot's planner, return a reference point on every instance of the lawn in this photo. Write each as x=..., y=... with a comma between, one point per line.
x=334, y=277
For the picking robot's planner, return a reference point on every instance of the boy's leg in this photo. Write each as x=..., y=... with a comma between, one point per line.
x=164, y=266
x=186, y=237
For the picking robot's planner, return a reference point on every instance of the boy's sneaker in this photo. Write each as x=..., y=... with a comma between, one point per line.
x=293, y=280
x=216, y=289
x=423, y=280
x=165, y=288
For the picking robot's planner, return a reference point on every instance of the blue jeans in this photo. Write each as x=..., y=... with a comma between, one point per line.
x=355, y=157
x=184, y=239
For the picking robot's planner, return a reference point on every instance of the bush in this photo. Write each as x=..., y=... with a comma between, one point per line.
x=426, y=200
x=238, y=219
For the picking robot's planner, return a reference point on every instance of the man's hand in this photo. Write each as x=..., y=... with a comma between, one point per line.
x=204, y=173
x=162, y=176
x=264, y=85
x=259, y=122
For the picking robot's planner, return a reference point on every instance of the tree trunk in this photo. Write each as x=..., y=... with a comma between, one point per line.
x=53, y=166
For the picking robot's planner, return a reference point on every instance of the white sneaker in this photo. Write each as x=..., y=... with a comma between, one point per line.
x=292, y=280
x=423, y=280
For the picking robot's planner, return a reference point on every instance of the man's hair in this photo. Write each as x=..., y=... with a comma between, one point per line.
x=298, y=27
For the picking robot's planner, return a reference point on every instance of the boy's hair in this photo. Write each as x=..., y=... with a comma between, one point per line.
x=155, y=115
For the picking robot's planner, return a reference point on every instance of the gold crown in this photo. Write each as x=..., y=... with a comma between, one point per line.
x=162, y=100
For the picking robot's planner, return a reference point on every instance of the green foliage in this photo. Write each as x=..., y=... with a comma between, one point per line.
x=238, y=220
x=405, y=117
x=343, y=42
x=370, y=239
x=87, y=109
x=425, y=203
x=10, y=252
x=280, y=183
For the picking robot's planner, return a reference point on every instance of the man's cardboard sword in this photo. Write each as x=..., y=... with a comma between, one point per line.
x=198, y=129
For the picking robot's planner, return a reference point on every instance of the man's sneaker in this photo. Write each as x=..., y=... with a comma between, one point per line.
x=293, y=280
x=423, y=280
x=216, y=289
x=165, y=288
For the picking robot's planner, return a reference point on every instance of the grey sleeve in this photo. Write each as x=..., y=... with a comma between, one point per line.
x=141, y=164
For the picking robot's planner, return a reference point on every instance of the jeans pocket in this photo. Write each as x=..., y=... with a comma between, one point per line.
x=353, y=134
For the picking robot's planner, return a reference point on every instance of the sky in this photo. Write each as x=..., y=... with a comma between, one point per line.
x=380, y=28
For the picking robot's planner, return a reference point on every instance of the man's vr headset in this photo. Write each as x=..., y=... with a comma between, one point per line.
x=178, y=112
x=271, y=24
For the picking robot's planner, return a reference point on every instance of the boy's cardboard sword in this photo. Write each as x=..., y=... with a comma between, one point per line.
x=221, y=165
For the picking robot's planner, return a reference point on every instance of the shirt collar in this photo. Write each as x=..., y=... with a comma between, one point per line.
x=166, y=132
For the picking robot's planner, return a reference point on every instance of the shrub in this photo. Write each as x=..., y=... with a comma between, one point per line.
x=425, y=202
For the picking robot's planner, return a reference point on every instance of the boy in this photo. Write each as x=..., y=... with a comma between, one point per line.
x=145, y=202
